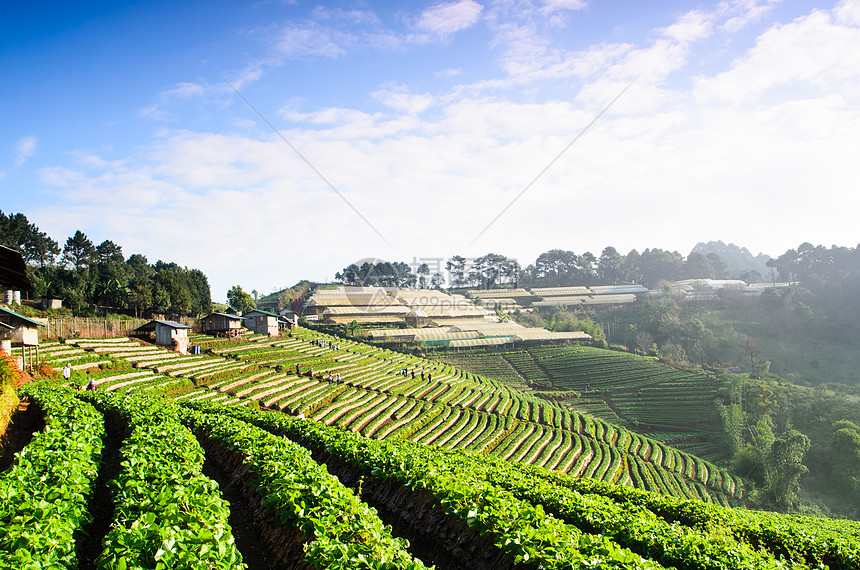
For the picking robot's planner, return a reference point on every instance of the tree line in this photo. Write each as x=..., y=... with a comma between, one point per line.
x=98, y=278
x=553, y=268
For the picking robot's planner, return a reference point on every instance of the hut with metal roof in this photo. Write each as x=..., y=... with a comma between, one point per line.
x=290, y=316
x=261, y=322
x=167, y=333
x=17, y=330
x=221, y=324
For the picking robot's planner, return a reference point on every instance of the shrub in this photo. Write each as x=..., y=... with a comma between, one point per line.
x=9, y=373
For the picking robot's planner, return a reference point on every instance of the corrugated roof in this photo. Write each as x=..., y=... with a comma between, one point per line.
x=228, y=315
x=446, y=336
x=267, y=313
x=553, y=301
x=151, y=325
x=21, y=317
x=480, y=342
x=365, y=319
x=610, y=289
x=367, y=310
x=559, y=291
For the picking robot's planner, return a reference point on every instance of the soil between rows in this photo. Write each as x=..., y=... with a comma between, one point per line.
x=435, y=537
x=26, y=421
x=88, y=545
x=264, y=544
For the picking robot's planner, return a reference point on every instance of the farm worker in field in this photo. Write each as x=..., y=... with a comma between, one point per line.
x=91, y=386
x=67, y=371
x=298, y=373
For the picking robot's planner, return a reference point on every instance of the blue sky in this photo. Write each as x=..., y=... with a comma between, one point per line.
x=740, y=122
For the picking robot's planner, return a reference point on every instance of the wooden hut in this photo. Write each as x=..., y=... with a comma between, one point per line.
x=290, y=316
x=13, y=270
x=49, y=302
x=222, y=324
x=417, y=318
x=18, y=330
x=262, y=322
x=168, y=333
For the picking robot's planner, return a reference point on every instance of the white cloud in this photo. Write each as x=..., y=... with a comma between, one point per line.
x=848, y=12
x=25, y=148
x=811, y=52
x=443, y=20
x=299, y=42
x=740, y=13
x=450, y=72
x=691, y=27
x=559, y=5
x=398, y=97
x=673, y=162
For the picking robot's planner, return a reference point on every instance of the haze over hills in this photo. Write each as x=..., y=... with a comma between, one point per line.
x=738, y=260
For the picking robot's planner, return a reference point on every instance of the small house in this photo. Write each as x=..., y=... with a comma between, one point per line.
x=261, y=322
x=18, y=330
x=416, y=318
x=289, y=315
x=222, y=324
x=13, y=271
x=168, y=333
x=49, y=302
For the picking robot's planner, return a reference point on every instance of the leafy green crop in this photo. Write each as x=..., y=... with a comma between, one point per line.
x=168, y=514
x=342, y=531
x=43, y=496
x=522, y=530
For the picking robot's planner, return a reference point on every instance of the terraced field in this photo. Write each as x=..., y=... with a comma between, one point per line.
x=364, y=389
x=130, y=481
x=671, y=405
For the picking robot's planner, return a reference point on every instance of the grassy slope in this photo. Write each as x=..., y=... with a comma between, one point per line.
x=371, y=378
x=636, y=392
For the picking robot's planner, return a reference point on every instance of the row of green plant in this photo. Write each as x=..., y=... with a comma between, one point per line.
x=522, y=530
x=43, y=495
x=168, y=514
x=830, y=543
x=341, y=531
x=680, y=533
x=521, y=406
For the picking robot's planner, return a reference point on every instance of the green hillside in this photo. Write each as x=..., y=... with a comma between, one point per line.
x=668, y=404
x=213, y=485
x=441, y=405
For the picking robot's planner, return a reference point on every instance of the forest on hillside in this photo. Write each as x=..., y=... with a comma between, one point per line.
x=92, y=278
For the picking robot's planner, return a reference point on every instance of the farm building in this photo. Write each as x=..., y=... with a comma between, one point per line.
x=261, y=322
x=13, y=270
x=49, y=302
x=416, y=318
x=289, y=315
x=355, y=297
x=221, y=323
x=389, y=305
x=17, y=330
x=167, y=333
x=286, y=324
x=365, y=314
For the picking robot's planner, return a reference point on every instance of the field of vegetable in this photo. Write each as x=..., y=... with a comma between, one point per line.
x=385, y=394
x=633, y=391
x=202, y=485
